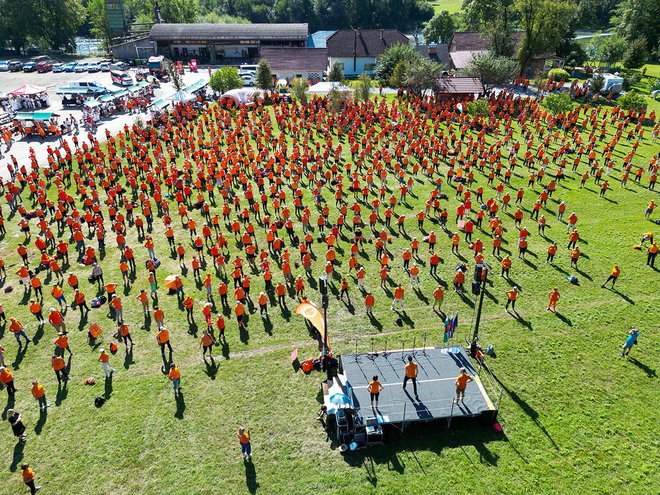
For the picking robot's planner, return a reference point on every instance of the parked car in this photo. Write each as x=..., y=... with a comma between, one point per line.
x=29, y=66
x=119, y=66
x=4, y=65
x=58, y=67
x=104, y=66
x=15, y=65
x=93, y=67
x=81, y=67
x=45, y=66
x=248, y=80
x=70, y=67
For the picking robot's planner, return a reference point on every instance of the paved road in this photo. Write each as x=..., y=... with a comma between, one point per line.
x=12, y=80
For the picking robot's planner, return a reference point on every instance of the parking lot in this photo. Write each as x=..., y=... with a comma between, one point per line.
x=9, y=81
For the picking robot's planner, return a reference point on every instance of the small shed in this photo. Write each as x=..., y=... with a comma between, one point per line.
x=458, y=87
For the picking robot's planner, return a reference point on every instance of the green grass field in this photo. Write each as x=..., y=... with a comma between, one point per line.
x=577, y=418
x=451, y=6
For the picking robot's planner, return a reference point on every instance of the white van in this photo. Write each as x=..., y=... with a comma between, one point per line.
x=93, y=86
x=122, y=78
x=247, y=69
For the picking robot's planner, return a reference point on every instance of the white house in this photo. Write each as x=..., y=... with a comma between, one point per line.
x=357, y=50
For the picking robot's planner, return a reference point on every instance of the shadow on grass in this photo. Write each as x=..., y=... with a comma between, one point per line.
x=18, y=456
x=250, y=476
x=651, y=373
x=398, y=453
x=527, y=409
x=180, y=406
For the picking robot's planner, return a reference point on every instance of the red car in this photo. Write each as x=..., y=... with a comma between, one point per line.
x=45, y=66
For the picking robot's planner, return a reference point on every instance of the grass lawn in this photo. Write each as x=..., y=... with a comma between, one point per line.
x=577, y=418
x=451, y=6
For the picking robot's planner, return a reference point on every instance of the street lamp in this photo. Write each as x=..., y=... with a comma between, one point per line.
x=323, y=288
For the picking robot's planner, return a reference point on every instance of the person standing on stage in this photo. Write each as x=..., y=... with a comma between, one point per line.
x=411, y=374
x=374, y=389
x=461, y=383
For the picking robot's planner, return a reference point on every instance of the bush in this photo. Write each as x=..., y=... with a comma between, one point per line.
x=224, y=79
x=558, y=75
x=631, y=79
x=632, y=101
x=478, y=108
x=557, y=103
x=336, y=73
x=597, y=83
x=299, y=89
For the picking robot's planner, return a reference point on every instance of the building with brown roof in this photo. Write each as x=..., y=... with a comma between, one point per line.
x=357, y=51
x=291, y=62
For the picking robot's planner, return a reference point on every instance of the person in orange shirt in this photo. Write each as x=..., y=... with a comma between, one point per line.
x=18, y=329
x=244, y=441
x=369, y=302
x=512, y=297
x=614, y=276
x=374, y=389
x=206, y=343
x=410, y=373
x=461, y=384
x=552, y=250
x=438, y=297
x=59, y=367
x=188, y=303
x=454, y=242
x=144, y=300
x=343, y=291
x=175, y=377
x=553, y=297
x=398, y=298
x=7, y=379
x=163, y=339
x=280, y=291
x=39, y=393
x=28, y=478
x=159, y=316
x=62, y=344
x=104, y=359
x=239, y=311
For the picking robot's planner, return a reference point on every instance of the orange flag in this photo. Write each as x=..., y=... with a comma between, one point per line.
x=309, y=311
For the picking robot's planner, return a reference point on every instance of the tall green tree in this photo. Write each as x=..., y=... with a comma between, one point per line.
x=636, y=54
x=421, y=76
x=176, y=11
x=545, y=24
x=18, y=22
x=492, y=69
x=61, y=20
x=263, y=76
x=611, y=49
x=336, y=73
x=440, y=28
x=224, y=79
x=97, y=18
x=639, y=18
x=495, y=20
x=363, y=87
x=391, y=57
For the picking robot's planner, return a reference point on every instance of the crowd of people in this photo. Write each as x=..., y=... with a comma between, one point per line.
x=258, y=203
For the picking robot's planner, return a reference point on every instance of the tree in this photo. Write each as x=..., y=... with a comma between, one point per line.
x=478, y=108
x=577, y=56
x=17, y=23
x=494, y=19
x=61, y=20
x=636, y=54
x=557, y=103
x=421, y=75
x=224, y=79
x=363, y=87
x=612, y=49
x=264, y=76
x=546, y=24
x=175, y=11
x=215, y=18
x=299, y=89
x=174, y=75
x=399, y=74
x=391, y=57
x=635, y=19
x=632, y=101
x=97, y=18
x=558, y=75
x=336, y=73
x=440, y=28
x=491, y=69
x=597, y=83
x=337, y=100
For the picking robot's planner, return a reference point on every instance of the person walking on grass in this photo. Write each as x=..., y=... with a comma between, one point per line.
x=28, y=478
x=631, y=340
x=206, y=343
x=39, y=393
x=461, y=384
x=175, y=377
x=374, y=389
x=512, y=298
x=553, y=297
x=244, y=440
x=411, y=374
x=104, y=359
x=614, y=276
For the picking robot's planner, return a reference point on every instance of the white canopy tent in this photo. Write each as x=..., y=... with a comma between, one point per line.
x=182, y=96
x=324, y=87
x=243, y=96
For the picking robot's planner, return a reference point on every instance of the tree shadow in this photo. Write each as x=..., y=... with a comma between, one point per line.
x=250, y=476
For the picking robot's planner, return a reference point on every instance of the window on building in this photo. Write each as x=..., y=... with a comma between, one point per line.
x=369, y=67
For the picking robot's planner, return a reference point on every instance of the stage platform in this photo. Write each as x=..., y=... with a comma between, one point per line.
x=437, y=372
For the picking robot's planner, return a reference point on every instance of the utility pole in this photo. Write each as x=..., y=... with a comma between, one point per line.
x=323, y=288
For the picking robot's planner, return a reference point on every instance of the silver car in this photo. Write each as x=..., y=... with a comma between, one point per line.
x=81, y=67
x=93, y=67
x=4, y=66
x=57, y=67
